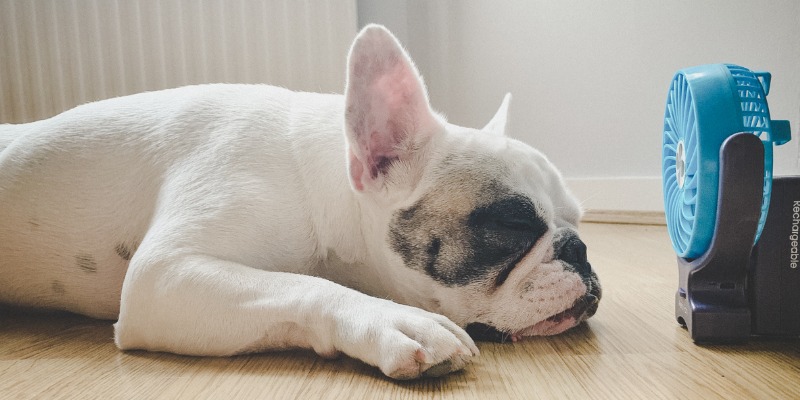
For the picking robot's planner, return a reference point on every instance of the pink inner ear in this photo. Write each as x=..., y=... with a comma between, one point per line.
x=398, y=88
x=386, y=108
x=379, y=157
x=393, y=106
x=356, y=171
x=382, y=148
x=397, y=106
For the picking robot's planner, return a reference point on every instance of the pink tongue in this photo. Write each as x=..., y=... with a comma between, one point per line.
x=548, y=327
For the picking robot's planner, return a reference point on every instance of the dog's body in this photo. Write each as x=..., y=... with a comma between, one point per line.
x=221, y=219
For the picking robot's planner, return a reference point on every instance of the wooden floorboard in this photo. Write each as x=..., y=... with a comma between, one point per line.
x=625, y=217
x=632, y=348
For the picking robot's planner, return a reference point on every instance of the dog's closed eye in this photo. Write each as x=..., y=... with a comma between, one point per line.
x=512, y=215
x=515, y=224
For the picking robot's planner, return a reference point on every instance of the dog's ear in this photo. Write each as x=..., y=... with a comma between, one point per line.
x=387, y=117
x=499, y=123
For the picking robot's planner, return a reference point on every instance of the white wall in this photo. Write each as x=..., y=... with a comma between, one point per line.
x=589, y=78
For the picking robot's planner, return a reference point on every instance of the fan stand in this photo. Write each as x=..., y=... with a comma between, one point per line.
x=712, y=295
x=736, y=289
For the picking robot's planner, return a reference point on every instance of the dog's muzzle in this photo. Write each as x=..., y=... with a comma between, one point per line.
x=570, y=249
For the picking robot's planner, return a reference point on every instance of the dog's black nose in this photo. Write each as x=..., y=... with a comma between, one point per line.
x=572, y=250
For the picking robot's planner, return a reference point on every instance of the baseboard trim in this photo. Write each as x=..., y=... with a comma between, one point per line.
x=625, y=217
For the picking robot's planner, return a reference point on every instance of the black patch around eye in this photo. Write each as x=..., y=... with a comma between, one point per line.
x=505, y=229
x=506, y=271
x=433, y=254
x=514, y=214
x=460, y=249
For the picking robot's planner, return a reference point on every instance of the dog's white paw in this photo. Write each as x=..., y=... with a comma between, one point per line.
x=405, y=342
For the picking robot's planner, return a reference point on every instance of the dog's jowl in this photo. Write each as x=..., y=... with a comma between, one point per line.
x=223, y=219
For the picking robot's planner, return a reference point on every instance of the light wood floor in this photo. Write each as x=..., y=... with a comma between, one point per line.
x=632, y=348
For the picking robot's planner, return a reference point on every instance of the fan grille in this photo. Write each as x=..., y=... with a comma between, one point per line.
x=705, y=105
x=756, y=119
x=680, y=170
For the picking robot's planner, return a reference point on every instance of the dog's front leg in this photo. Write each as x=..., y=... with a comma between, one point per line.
x=199, y=305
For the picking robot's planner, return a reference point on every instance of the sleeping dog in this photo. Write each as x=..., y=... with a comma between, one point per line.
x=224, y=219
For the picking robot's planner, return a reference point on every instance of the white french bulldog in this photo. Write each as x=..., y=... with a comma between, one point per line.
x=224, y=219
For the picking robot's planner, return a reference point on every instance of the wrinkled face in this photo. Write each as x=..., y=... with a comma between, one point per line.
x=494, y=231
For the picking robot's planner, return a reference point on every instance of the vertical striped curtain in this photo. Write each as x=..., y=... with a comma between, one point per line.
x=56, y=54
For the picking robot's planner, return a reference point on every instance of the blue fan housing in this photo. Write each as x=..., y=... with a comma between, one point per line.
x=706, y=105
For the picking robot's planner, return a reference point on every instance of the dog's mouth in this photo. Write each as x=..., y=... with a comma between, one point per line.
x=582, y=309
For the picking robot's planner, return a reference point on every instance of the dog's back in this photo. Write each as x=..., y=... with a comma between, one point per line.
x=79, y=191
x=9, y=132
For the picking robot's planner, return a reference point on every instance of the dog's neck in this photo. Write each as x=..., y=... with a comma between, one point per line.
x=347, y=226
x=349, y=235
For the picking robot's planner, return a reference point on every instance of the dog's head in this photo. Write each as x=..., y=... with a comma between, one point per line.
x=476, y=226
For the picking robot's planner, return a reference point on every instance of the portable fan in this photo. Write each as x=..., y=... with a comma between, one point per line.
x=706, y=105
x=734, y=227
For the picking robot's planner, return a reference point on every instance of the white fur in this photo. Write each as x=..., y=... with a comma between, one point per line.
x=237, y=207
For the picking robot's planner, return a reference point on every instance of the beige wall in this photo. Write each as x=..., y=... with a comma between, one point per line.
x=55, y=54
